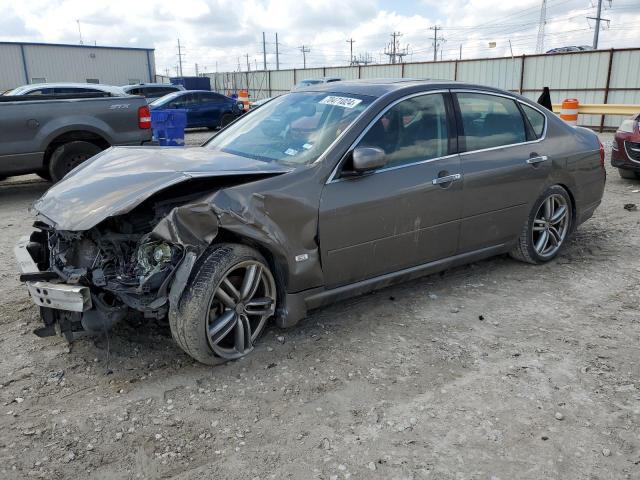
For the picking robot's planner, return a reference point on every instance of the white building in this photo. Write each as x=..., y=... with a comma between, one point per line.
x=24, y=63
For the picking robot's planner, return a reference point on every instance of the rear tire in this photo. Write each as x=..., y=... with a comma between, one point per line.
x=68, y=156
x=44, y=174
x=628, y=174
x=226, y=120
x=548, y=226
x=224, y=309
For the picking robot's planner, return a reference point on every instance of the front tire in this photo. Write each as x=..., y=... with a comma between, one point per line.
x=226, y=305
x=68, y=156
x=547, y=228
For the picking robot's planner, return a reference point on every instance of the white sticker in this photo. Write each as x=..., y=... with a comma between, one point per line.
x=290, y=151
x=307, y=146
x=345, y=102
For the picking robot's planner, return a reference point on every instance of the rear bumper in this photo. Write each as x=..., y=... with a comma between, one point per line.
x=59, y=296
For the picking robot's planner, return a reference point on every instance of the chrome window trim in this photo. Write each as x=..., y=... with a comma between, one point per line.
x=332, y=178
x=496, y=94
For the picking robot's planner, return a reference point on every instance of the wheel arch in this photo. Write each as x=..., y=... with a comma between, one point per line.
x=574, y=210
x=277, y=264
x=73, y=136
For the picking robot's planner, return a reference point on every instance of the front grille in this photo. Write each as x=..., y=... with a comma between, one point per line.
x=633, y=150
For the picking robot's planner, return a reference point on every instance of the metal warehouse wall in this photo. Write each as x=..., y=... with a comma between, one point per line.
x=22, y=63
x=604, y=76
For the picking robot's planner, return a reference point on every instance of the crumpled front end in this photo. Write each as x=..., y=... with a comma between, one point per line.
x=88, y=281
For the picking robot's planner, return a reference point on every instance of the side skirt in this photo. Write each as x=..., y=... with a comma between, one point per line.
x=298, y=304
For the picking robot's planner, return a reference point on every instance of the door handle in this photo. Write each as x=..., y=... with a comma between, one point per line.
x=446, y=179
x=534, y=160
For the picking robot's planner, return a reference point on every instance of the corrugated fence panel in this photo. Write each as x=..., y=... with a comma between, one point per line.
x=582, y=75
x=12, y=69
x=501, y=73
x=281, y=81
x=432, y=70
x=625, y=70
x=381, y=71
x=566, y=71
x=346, y=73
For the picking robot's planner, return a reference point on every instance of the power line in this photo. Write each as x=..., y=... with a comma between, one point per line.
x=180, y=55
x=351, y=41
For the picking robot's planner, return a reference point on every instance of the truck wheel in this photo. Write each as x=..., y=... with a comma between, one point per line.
x=225, y=305
x=68, y=156
x=628, y=174
x=547, y=228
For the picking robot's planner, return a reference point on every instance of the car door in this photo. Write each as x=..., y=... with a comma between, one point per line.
x=187, y=102
x=404, y=214
x=212, y=106
x=505, y=166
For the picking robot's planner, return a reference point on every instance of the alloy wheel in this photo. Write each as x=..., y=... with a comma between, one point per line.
x=551, y=225
x=241, y=304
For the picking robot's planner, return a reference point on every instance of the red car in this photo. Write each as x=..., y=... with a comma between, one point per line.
x=625, y=153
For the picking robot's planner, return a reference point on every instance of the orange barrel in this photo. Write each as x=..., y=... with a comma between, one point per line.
x=243, y=96
x=569, y=111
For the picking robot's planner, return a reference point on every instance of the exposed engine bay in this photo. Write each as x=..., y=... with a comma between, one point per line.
x=120, y=260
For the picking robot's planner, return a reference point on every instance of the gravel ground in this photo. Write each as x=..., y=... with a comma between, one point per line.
x=496, y=370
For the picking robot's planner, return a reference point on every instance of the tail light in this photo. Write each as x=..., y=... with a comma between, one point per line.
x=144, y=118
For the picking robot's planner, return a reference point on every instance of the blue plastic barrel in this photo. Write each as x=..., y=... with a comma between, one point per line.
x=168, y=126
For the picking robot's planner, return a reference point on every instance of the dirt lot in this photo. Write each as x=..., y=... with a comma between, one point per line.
x=497, y=370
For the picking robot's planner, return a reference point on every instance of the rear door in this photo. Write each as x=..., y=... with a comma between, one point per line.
x=505, y=166
x=404, y=214
x=212, y=108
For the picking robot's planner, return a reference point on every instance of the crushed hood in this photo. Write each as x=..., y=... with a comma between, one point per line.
x=118, y=179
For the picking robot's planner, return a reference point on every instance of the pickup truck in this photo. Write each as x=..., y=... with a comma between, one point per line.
x=50, y=135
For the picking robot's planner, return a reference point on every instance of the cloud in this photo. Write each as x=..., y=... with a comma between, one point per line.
x=222, y=31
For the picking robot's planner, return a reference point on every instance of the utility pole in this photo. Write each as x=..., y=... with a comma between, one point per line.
x=541, y=24
x=598, y=19
x=80, y=32
x=436, y=39
x=304, y=51
x=196, y=69
x=248, y=64
x=351, y=59
x=277, y=54
x=393, y=50
x=460, y=58
x=180, y=55
x=264, y=53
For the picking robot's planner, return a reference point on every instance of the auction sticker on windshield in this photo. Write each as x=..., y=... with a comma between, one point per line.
x=345, y=102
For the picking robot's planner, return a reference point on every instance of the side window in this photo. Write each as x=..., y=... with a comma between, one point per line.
x=41, y=91
x=135, y=91
x=536, y=119
x=413, y=130
x=490, y=121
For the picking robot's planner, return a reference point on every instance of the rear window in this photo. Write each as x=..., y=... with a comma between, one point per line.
x=490, y=121
x=536, y=119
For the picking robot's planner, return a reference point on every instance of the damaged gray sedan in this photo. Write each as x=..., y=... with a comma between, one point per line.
x=317, y=196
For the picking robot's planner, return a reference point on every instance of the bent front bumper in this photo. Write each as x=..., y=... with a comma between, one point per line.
x=59, y=296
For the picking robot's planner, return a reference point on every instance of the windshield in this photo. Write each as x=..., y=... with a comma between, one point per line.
x=293, y=129
x=163, y=100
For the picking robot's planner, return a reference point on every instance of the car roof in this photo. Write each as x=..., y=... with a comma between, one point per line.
x=137, y=85
x=95, y=86
x=378, y=87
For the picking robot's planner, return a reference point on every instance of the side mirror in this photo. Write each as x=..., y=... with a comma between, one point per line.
x=366, y=159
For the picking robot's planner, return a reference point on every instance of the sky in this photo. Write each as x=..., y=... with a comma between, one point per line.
x=219, y=34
